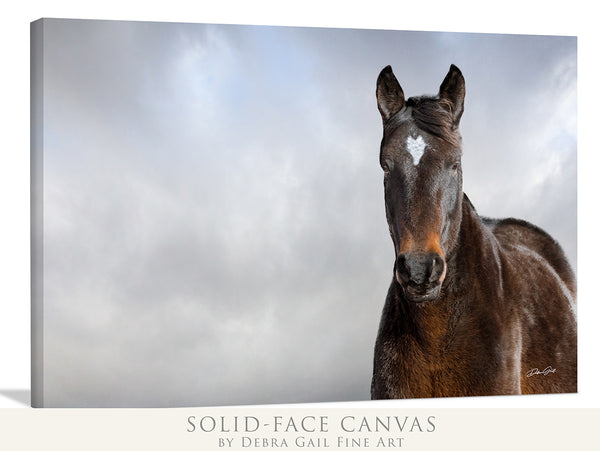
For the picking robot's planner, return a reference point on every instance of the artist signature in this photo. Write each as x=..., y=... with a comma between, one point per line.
x=544, y=372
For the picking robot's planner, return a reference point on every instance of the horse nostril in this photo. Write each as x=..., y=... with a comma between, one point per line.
x=402, y=270
x=437, y=268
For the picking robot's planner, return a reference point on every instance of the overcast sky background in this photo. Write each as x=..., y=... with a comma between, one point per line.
x=214, y=226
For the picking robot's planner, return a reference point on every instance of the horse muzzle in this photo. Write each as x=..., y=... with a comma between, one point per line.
x=420, y=274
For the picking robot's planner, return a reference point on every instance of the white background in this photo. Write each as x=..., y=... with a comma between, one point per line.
x=534, y=17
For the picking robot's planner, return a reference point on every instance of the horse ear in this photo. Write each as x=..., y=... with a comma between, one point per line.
x=390, y=97
x=452, y=90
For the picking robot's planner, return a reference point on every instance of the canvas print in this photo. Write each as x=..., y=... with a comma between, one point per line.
x=474, y=300
x=234, y=215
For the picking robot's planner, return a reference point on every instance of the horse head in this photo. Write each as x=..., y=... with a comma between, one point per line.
x=421, y=159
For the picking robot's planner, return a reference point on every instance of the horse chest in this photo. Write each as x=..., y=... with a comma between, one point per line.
x=411, y=369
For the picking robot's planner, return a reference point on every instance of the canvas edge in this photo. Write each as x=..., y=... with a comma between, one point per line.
x=36, y=206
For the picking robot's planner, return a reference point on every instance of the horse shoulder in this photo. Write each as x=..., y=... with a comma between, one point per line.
x=511, y=232
x=541, y=286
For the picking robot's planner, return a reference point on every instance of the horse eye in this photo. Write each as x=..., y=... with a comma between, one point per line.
x=454, y=167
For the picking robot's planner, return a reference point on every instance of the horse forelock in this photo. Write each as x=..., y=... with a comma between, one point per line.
x=434, y=116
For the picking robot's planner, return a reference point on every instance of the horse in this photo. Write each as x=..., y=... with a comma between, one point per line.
x=476, y=306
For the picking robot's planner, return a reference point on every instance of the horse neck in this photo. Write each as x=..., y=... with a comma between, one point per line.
x=474, y=246
x=474, y=258
x=434, y=324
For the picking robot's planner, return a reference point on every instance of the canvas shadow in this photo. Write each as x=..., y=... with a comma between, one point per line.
x=21, y=396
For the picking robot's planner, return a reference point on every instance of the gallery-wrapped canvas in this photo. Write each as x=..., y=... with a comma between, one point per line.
x=219, y=213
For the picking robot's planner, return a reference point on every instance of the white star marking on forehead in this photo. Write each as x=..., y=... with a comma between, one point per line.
x=415, y=147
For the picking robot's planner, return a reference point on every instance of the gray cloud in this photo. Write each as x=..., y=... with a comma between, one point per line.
x=213, y=206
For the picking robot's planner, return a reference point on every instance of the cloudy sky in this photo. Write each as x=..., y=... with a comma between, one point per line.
x=214, y=226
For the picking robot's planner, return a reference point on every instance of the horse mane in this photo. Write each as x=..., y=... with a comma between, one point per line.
x=435, y=116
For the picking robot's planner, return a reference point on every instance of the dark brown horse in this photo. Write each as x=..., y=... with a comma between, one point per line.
x=476, y=306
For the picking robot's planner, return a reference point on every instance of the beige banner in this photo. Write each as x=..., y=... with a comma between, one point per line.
x=297, y=428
